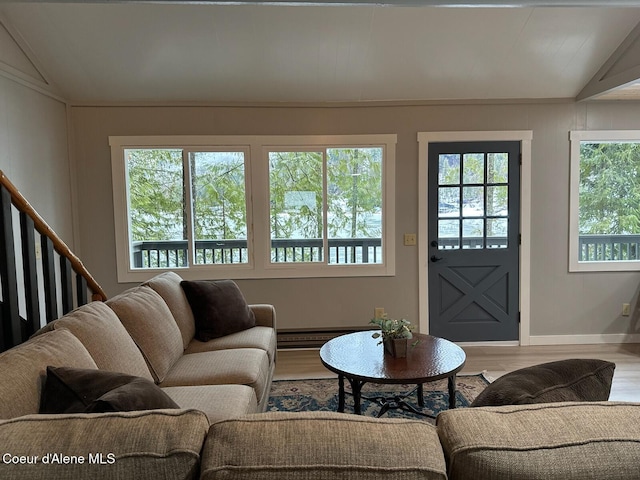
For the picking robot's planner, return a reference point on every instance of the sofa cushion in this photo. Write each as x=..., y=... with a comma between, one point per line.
x=167, y=284
x=219, y=308
x=148, y=445
x=568, y=441
x=101, y=332
x=76, y=390
x=240, y=366
x=321, y=445
x=561, y=381
x=150, y=323
x=263, y=338
x=23, y=369
x=217, y=402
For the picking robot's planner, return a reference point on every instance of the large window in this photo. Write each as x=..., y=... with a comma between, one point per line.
x=605, y=201
x=346, y=203
x=253, y=207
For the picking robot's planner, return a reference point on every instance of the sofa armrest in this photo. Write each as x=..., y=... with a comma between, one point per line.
x=147, y=444
x=265, y=315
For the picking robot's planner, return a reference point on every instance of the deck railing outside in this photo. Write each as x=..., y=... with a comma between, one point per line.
x=591, y=248
x=173, y=253
x=169, y=254
x=599, y=248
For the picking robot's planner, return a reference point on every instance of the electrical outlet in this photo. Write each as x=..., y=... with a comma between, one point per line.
x=378, y=312
x=626, y=309
x=409, y=239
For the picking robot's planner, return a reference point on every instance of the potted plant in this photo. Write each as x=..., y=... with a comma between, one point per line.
x=394, y=334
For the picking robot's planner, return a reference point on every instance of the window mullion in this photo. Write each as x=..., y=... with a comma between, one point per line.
x=188, y=207
x=325, y=208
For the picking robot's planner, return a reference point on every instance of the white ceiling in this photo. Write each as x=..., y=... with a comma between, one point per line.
x=169, y=53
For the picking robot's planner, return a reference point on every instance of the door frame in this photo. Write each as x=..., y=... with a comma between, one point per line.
x=524, y=137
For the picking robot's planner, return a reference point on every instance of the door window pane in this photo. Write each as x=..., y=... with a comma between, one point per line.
x=473, y=233
x=448, y=234
x=497, y=232
x=497, y=168
x=449, y=202
x=497, y=201
x=219, y=207
x=473, y=201
x=449, y=169
x=473, y=168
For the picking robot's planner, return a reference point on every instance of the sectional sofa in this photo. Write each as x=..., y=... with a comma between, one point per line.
x=139, y=396
x=147, y=333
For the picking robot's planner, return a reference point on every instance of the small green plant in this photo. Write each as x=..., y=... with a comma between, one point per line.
x=392, y=328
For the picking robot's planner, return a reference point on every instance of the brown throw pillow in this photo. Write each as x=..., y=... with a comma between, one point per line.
x=575, y=380
x=77, y=390
x=219, y=308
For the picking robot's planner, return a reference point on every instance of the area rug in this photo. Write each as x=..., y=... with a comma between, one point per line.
x=322, y=395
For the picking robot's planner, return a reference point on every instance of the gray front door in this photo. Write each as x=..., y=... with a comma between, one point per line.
x=474, y=205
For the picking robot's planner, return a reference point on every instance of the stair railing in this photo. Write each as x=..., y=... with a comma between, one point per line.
x=28, y=273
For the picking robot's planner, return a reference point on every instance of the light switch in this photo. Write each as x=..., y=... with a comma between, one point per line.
x=409, y=239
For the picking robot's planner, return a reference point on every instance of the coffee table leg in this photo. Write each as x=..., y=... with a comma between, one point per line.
x=356, y=386
x=420, y=395
x=340, y=393
x=452, y=391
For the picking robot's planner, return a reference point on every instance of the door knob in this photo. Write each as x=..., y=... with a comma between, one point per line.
x=435, y=259
x=434, y=243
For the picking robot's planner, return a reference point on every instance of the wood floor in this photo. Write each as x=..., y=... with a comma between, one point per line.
x=495, y=361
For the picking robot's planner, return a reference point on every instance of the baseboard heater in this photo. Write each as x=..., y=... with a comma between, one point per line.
x=312, y=337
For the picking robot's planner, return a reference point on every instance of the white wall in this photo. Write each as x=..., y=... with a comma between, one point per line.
x=34, y=152
x=568, y=305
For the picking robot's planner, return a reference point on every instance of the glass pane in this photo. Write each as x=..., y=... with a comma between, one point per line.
x=472, y=233
x=497, y=168
x=449, y=202
x=156, y=209
x=295, y=193
x=473, y=201
x=473, y=168
x=219, y=207
x=497, y=232
x=449, y=169
x=354, y=201
x=498, y=201
x=448, y=234
x=608, y=225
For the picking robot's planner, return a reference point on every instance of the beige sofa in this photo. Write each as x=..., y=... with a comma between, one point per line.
x=554, y=441
x=146, y=332
x=220, y=432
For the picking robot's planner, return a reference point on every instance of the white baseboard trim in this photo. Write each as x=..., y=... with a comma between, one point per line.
x=584, y=339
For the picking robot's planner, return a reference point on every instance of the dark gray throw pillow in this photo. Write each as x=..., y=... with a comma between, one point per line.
x=574, y=380
x=219, y=308
x=77, y=390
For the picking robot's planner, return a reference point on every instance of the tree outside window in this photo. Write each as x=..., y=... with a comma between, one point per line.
x=605, y=195
x=326, y=206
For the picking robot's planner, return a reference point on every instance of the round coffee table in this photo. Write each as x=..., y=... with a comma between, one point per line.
x=360, y=359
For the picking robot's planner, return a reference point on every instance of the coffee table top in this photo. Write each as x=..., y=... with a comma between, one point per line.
x=358, y=355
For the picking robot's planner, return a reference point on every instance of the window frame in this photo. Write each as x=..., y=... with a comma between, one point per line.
x=257, y=194
x=575, y=138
